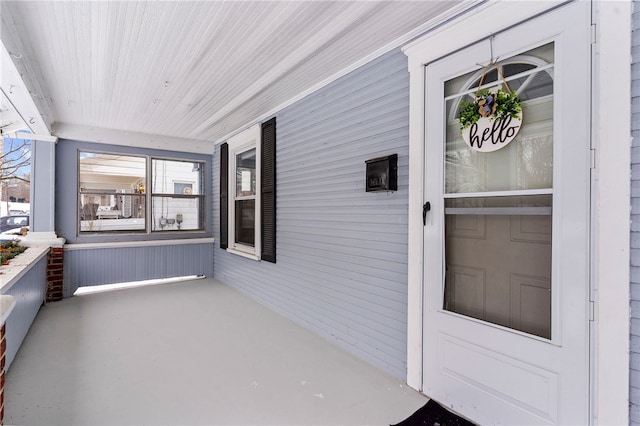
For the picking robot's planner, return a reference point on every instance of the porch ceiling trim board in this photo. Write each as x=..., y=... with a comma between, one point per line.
x=134, y=139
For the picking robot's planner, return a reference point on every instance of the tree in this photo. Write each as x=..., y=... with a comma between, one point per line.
x=15, y=161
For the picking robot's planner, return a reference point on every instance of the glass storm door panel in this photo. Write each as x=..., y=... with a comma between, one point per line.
x=506, y=241
x=498, y=205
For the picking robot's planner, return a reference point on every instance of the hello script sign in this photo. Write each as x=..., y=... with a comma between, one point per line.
x=491, y=121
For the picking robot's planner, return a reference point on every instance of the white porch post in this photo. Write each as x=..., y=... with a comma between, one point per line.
x=42, y=188
x=42, y=215
x=42, y=223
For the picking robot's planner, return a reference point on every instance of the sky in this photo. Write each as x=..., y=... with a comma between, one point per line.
x=24, y=153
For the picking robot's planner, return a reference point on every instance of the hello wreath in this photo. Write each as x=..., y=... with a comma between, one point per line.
x=493, y=119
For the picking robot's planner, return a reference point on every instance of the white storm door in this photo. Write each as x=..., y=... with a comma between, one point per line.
x=506, y=278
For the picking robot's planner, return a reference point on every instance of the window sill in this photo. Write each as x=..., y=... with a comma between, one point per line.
x=144, y=243
x=248, y=255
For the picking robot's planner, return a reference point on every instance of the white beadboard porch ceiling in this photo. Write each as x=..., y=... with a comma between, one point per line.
x=194, y=70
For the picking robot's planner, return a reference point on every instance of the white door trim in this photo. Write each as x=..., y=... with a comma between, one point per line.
x=612, y=197
x=611, y=186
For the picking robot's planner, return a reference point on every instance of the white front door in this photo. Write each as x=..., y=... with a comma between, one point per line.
x=506, y=267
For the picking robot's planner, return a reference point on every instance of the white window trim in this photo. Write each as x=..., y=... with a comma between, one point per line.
x=248, y=139
x=611, y=124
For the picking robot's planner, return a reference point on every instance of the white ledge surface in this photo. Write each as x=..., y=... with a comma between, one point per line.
x=20, y=265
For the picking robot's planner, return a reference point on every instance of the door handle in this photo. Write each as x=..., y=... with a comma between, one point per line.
x=425, y=209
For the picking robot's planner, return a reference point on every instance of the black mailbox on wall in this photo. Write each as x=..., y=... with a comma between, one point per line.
x=382, y=174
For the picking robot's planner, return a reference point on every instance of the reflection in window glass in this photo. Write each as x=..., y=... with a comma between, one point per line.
x=172, y=177
x=246, y=173
x=182, y=188
x=498, y=253
x=112, y=194
x=527, y=162
x=176, y=195
x=176, y=213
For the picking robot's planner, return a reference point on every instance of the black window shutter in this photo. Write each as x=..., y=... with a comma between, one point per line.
x=268, y=188
x=224, y=195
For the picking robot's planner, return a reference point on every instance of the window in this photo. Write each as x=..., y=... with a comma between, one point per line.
x=247, y=193
x=113, y=194
x=176, y=194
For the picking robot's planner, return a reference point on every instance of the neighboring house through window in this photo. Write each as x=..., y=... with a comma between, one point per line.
x=113, y=194
x=247, y=193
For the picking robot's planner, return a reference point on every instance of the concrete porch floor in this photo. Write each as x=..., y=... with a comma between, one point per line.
x=192, y=352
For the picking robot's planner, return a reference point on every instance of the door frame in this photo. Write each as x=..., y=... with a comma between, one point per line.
x=610, y=186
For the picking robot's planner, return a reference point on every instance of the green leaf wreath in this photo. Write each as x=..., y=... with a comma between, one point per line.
x=507, y=105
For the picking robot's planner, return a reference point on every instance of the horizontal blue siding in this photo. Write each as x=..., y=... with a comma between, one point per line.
x=341, y=266
x=30, y=292
x=96, y=266
x=634, y=372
